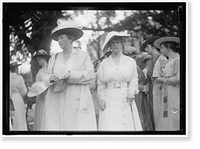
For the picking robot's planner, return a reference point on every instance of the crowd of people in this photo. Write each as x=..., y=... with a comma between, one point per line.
x=135, y=91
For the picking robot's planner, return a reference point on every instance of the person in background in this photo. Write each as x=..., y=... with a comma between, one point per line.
x=142, y=61
x=170, y=81
x=18, y=91
x=117, y=87
x=69, y=105
x=153, y=89
x=42, y=58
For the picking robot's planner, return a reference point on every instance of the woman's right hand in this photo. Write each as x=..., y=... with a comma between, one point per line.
x=102, y=105
x=146, y=90
x=53, y=78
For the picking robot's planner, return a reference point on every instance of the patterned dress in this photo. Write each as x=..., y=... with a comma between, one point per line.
x=170, y=102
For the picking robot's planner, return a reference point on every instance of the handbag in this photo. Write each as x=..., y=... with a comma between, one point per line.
x=61, y=85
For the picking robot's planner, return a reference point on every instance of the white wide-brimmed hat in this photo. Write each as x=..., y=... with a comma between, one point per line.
x=68, y=27
x=36, y=89
x=159, y=41
x=110, y=36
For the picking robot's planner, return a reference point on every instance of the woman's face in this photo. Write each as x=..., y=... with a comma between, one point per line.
x=164, y=51
x=63, y=41
x=116, y=45
x=41, y=60
x=148, y=49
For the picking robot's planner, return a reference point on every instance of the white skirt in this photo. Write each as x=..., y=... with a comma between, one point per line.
x=118, y=115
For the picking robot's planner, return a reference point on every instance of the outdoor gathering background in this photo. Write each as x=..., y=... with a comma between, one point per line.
x=29, y=28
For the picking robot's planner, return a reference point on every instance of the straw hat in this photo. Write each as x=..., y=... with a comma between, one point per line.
x=69, y=27
x=36, y=89
x=148, y=41
x=158, y=42
x=14, y=64
x=110, y=36
x=131, y=51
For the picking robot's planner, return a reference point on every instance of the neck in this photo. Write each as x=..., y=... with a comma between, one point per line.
x=154, y=53
x=116, y=54
x=67, y=50
x=44, y=65
x=171, y=54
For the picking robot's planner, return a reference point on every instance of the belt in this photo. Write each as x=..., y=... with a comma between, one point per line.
x=117, y=85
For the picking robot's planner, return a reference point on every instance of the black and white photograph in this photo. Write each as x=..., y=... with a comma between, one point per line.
x=94, y=68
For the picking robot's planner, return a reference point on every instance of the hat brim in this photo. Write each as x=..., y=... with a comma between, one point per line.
x=106, y=43
x=31, y=94
x=158, y=42
x=75, y=32
x=149, y=40
x=16, y=65
x=38, y=55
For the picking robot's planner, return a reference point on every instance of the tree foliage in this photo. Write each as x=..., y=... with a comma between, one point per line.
x=30, y=29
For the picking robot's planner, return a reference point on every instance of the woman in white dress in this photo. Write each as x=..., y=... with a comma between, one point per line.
x=170, y=81
x=42, y=58
x=68, y=105
x=117, y=86
x=18, y=91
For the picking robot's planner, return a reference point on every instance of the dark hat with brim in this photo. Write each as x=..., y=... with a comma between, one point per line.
x=158, y=42
x=14, y=64
x=42, y=53
x=70, y=27
x=148, y=41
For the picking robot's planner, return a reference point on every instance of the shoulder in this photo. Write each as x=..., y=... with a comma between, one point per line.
x=104, y=61
x=79, y=52
x=161, y=57
x=53, y=55
x=177, y=60
x=20, y=77
x=129, y=59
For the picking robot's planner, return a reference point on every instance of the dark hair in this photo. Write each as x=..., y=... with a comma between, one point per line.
x=172, y=45
x=151, y=43
x=13, y=69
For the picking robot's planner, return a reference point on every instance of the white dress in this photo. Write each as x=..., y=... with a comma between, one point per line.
x=72, y=109
x=118, y=116
x=18, y=90
x=40, y=101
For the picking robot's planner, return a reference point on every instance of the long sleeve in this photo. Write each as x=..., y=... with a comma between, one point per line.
x=176, y=78
x=83, y=76
x=23, y=89
x=163, y=61
x=133, y=83
x=101, y=85
x=46, y=75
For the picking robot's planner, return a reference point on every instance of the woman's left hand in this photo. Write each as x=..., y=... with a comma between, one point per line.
x=66, y=77
x=161, y=80
x=129, y=100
